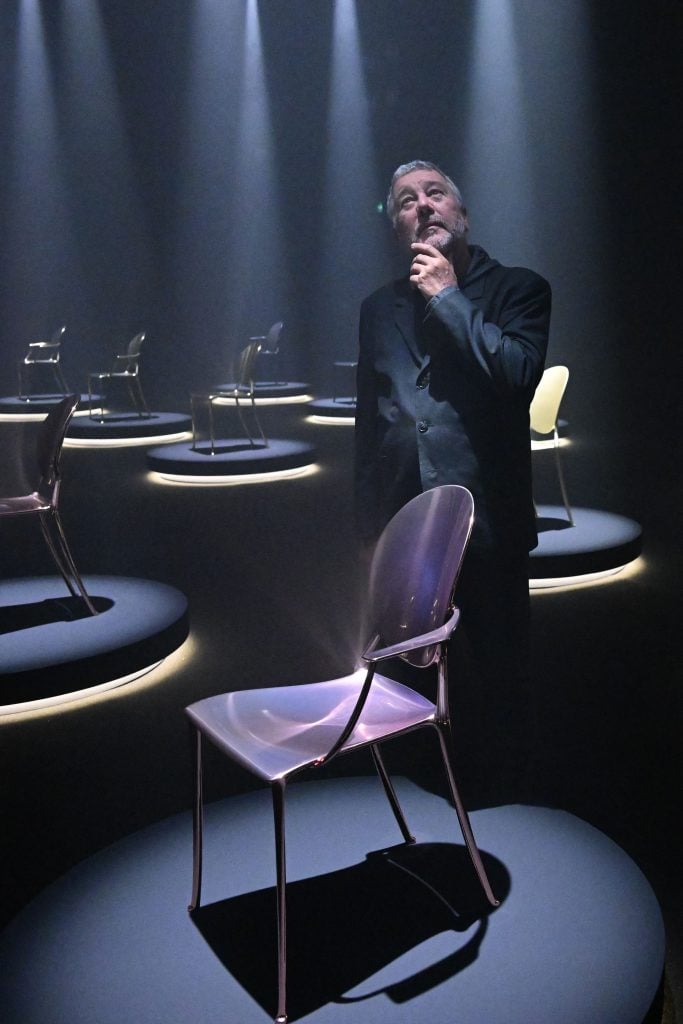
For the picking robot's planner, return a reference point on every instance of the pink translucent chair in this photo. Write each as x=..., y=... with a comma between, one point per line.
x=44, y=501
x=279, y=732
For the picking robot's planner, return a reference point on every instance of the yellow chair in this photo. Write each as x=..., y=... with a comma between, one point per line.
x=543, y=415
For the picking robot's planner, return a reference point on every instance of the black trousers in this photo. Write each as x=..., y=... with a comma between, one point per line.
x=490, y=671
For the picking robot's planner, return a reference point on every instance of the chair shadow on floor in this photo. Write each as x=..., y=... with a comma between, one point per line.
x=16, y=617
x=348, y=925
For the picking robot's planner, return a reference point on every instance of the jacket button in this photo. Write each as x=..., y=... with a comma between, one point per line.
x=423, y=426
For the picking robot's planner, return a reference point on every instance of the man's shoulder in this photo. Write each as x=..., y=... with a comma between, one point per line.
x=491, y=273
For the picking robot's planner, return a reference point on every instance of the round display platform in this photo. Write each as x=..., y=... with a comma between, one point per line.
x=268, y=392
x=597, y=543
x=52, y=646
x=123, y=428
x=37, y=407
x=377, y=932
x=326, y=409
x=234, y=457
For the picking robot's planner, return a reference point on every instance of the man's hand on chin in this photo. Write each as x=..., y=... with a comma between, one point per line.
x=430, y=271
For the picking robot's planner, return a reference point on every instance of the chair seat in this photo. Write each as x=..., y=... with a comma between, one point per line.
x=24, y=503
x=275, y=731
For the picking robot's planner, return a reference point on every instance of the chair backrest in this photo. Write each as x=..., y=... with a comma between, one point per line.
x=131, y=356
x=49, y=443
x=545, y=404
x=245, y=366
x=272, y=342
x=46, y=351
x=416, y=566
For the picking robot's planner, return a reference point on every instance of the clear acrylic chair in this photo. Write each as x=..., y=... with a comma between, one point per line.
x=44, y=501
x=543, y=416
x=278, y=733
x=240, y=396
x=270, y=345
x=43, y=354
x=125, y=367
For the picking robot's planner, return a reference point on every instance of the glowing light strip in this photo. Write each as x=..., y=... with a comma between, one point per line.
x=66, y=698
x=343, y=420
x=124, y=442
x=539, y=445
x=586, y=579
x=187, y=480
x=246, y=402
x=32, y=417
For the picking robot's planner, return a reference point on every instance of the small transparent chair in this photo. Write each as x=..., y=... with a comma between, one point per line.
x=44, y=501
x=125, y=367
x=231, y=396
x=543, y=416
x=43, y=353
x=270, y=344
x=278, y=733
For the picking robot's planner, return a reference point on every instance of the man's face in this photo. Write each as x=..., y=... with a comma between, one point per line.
x=427, y=211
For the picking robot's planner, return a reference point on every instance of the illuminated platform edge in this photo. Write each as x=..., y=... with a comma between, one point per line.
x=234, y=457
x=38, y=406
x=598, y=542
x=270, y=389
x=124, y=426
x=333, y=408
x=578, y=935
x=50, y=646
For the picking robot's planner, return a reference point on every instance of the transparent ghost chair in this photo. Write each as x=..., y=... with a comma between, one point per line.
x=125, y=367
x=270, y=346
x=44, y=501
x=278, y=733
x=238, y=396
x=43, y=354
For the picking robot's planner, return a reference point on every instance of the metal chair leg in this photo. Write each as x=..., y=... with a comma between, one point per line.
x=278, y=790
x=391, y=794
x=63, y=559
x=197, y=824
x=560, y=475
x=447, y=752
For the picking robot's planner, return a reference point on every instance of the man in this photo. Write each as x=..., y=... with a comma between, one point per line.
x=448, y=364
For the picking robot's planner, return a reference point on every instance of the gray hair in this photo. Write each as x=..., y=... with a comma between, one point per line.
x=417, y=165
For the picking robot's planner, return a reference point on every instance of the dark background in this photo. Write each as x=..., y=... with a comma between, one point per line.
x=153, y=177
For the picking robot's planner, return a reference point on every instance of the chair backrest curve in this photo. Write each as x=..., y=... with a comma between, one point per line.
x=416, y=566
x=545, y=405
x=50, y=440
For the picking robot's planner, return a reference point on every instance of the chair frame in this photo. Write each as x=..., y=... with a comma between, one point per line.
x=44, y=501
x=243, y=391
x=422, y=651
x=270, y=343
x=544, y=421
x=126, y=367
x=43, y=353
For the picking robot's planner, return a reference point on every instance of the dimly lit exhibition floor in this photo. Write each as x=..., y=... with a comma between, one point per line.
x=378, y=932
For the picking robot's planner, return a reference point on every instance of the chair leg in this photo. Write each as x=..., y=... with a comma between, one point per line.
x=242, y=420
x=59, y=377
x=560, y=475
x=258, y=422
x=391, y=794
x=197, y=824
x=135, y=392
x=61, y=553
x=447, y=752
x=278, y=790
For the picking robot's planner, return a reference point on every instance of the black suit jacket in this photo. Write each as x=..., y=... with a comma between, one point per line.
x=443, y=397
